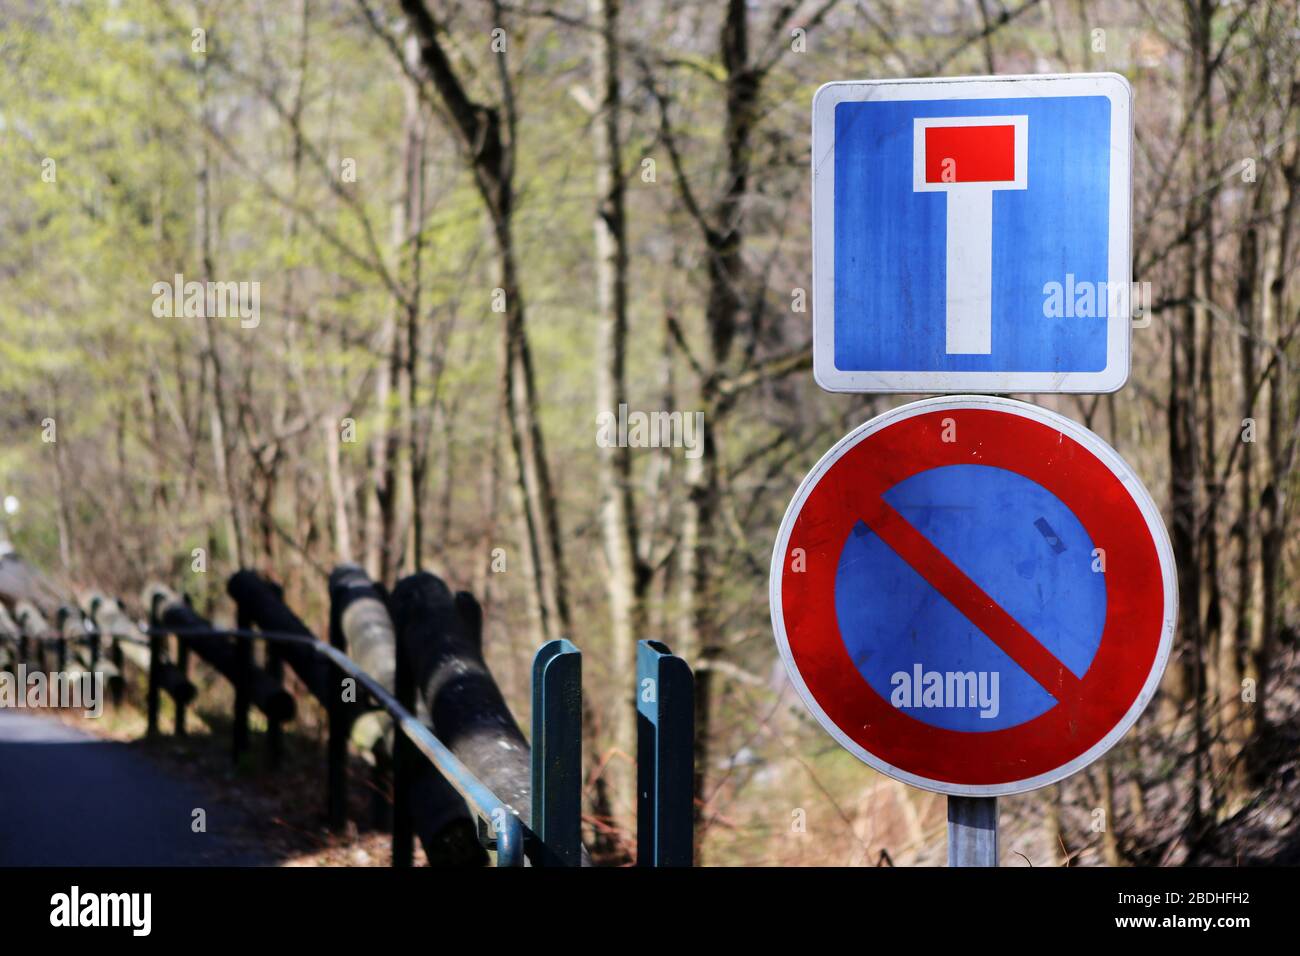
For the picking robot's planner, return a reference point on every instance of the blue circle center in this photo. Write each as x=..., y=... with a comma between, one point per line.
x=1022, y=546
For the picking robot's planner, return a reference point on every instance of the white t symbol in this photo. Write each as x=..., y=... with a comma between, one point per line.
x=969, y=157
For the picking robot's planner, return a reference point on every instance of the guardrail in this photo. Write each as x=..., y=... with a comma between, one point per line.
x=665, y=715
x=545, y=831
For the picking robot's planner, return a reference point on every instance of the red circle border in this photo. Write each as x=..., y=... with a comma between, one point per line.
x=1135, y=595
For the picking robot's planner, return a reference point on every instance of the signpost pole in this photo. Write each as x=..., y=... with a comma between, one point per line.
x=972, y=831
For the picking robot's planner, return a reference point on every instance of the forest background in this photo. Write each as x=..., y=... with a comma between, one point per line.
x=473, y=227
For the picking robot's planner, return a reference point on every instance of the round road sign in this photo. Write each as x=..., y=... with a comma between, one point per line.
x=974, y=595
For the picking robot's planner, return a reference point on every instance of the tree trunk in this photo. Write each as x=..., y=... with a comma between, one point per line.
x=342, y=526
x=414, y=419
x=1110, y=852
x=702, y=638
x=218, y=423
x=1234, y=720
x=1282, y=427
x=625, y=578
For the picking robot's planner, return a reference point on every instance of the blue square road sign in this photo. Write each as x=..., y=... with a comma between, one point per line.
x=972, y=234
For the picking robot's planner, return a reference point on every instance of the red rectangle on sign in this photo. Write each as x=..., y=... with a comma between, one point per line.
x=970, y=154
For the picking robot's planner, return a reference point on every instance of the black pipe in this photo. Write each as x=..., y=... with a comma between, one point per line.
x=359, y=612
x=263, y=604
x=441, y=637
x=172, y=613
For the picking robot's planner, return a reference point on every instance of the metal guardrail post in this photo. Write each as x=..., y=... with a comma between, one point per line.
x=61, y=654
x=154, y=691
x=665, y=707
x=403, y=765
x=274, y=730
x=117, y=686
x=243, y=688
x=182, y=665
x=557, y=754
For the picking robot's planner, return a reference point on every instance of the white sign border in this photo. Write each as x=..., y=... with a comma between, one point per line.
x=1118, y=467
x=1119, y=266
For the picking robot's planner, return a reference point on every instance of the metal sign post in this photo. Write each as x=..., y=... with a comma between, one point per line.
x=972, y=831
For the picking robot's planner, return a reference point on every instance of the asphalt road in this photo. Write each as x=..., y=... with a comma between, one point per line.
x=70, y=799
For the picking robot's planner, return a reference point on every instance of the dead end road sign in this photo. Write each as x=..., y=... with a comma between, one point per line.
x=972, y=234
x=974, y=595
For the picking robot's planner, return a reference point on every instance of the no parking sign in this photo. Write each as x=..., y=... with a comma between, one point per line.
x=974, y=595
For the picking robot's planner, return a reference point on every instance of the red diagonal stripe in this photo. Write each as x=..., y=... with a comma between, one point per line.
x=969, y=598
